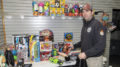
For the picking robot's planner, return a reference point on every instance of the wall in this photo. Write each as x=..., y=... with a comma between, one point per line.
x=1, y=27
x=19, y=20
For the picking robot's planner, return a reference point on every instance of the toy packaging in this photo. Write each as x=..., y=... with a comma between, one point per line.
x=62, y=11
x=62, y=3
x=55, y=49
x=44, y=55
x=21, y=43
x=34, y=46
x=46, y=35
x=52, y=11
x=57, y=3
x=46, y=46
x=61, y=45
x=35, y=8
x=2, y=59
x=76, y=9
x=67, y=47
x=41, y=9
x=66, y=10
x=57, y=11
x=68, y=37
x=52, y=3
x=46, y=8
x=80, y=10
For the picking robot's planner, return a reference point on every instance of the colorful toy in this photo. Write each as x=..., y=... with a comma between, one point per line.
x=52, y=3
x=46, y=46
x=14, y=52
x=54, y=52
x=9, y=58
x=52, y=11
x=46, y=35
x=67, y=48
x=57, y=11
x=21, y=43
x=15, y=57
x=34, y=47
x=68, y=37
x=41, y=9
x=56, y=61
x=76, y=9
x=81, y=9
x=62, y=3
x=66, y=10
x=2, y=59
x=35, y=8
x=61, y=45
x=20, y=63
x=57, y=3
x=62, y=11
x=44, y=55
x=46, y=8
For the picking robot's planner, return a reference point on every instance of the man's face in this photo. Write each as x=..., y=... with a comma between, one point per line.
x=87, y=15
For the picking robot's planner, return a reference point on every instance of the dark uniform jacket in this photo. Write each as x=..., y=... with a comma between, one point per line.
x=93, y=38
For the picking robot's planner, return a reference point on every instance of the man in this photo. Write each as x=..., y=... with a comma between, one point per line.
x=93, y=39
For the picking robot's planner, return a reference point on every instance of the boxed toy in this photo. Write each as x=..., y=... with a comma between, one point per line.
x=46, y=8
x=52, y=3
x=67, y=47
x=46, y=35
x=68, y=37
x=45, y=55
x=34, y=46
x=46, y=46
x=62, y=3
x=35, y=8
x=52, y=11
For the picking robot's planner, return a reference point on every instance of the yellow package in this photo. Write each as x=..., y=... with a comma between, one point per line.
x=57, y=11
x=62, y=11
x=62, y=3
x=52, y=3
x=52, y=11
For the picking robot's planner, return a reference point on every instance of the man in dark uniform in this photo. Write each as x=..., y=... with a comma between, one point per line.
x=93, y=39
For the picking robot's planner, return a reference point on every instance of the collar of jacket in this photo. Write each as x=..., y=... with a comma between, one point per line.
x=86, y=23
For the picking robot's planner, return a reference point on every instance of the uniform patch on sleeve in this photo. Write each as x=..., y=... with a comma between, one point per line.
x=101, y=32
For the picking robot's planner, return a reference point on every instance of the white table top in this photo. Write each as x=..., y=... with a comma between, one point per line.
x=49, y=64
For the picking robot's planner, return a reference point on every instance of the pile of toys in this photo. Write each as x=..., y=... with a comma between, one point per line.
x=56, y=8
x=36, y=48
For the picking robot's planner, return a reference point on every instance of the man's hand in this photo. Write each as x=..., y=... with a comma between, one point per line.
x=82, y=55
x=71, y=45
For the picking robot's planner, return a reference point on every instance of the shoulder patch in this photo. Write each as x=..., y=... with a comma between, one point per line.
x=102, y=32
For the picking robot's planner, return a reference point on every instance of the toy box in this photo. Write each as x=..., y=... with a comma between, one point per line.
x=62, y=11
x=46, y=8
x=62, y=3
x=52, y=3
x=46, y=35
x=67, y=47
x=46, y=46
x=52, y=11
x=45, y=55
x=34, y=46
x=57, y=3
x=61, y=45
x=35, y=8
x=68, y=37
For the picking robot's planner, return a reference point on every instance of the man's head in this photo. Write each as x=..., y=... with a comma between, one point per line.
x=87, y=12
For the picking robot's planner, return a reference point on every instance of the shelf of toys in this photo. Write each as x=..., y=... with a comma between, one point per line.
x=38, y=49
x=56, y=8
